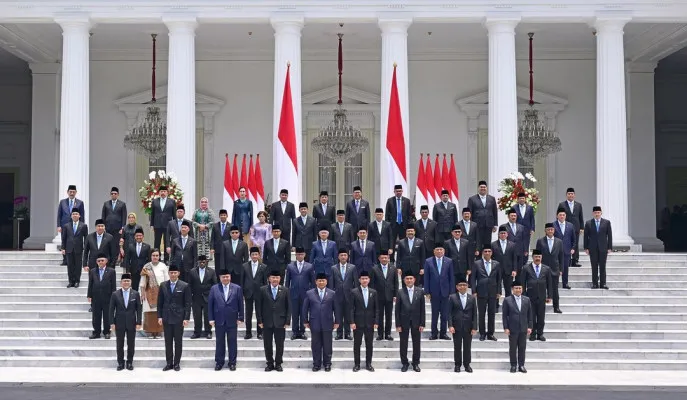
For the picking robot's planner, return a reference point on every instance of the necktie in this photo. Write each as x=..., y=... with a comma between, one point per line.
x=183, y=243
x=399, y=216
x=172, y=286
x=484, y=201
x=321, y=295
x=71, y=205
x=512, y=226
x=384, y=269
x=75, y=225
x=457, y=241
x=343, y=272
x=597, y=225
x=324, y=209
x=410, y=244
x=179, y=225
x=410, y=295
x=467, y=228
x=424, y=224
x=223, y=226
x=303, y=219
x=487, y=266
x=550, y=245
x=324, y=247
x=114, y=203
x=462, y=300
x=274, y=293
x=226, y=293
x=101, y=271
x=100, y=239
x=201, y=273
x=518, y=301
x=503, y=246
x=562, y=225
x=163, y=201
x=138, y=249
x=234, y=243
x=126, y=298
x=341, y=228
x=276, y=245
x=255, y=269
x=379, y=227
x=536, y=270
x=283, y=207
x=357, y=205
x=300, y=268
x=439, y=265
x=362, y=246
x=365, y=296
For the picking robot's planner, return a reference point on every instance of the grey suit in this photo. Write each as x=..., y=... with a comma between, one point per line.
x=115, y=218
x=553, y=259
x=428, y=235
x=284, y=218
x=464, y=321
x=359, y=218
x=485, y=215
x=73, y=244
x=91, y=250
x=538, y=289
x=410, y=316
x=304, y=234
x=159, y=218
x=342, y=237
x=598, y=243
x=508, y=261
x=125, y=318
x=472, y=237
x=517, y=321
x=184, y=257
x=342, y=286
x=445, y=216
x=575, y=217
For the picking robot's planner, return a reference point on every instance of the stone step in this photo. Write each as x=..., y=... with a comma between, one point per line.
x=31, y=255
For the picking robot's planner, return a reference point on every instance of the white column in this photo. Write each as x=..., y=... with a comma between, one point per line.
x=503, y=104
x=181, y=105
x=45, y=121
x=394, y=51
x=611, y=133
x=287, y=51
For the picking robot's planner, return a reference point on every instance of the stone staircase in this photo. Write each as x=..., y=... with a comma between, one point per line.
x=640, y=323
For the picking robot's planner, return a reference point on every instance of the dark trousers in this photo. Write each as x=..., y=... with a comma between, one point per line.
x=250, y=304
x=484, y=235
x=135, y=278
x=100, y=312
x=398, y=232
x=576, y=257
x=486, y=306
x=115, y=238
x=74, y=267
x=159, y=233
x=462, y=348
x=173, y=343
x=517, y=343
x=555, y=278
x=384, y=313
x=297, y=326
x=414, y=332
x=566, y=266
x=507, y=284
x=598, y=260
x=321, y=347
x=225, y=337
x=345, y=325
x=279, y=335
x=200, y=318
x=358, y=334
x=307, y=254
x=441, y=238
x=130, y=344
x=439, y=308
x=538, y=315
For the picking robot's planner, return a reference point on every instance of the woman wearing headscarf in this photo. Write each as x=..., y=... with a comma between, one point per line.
x=128, y=233
x=202, y=220
x=152, y=275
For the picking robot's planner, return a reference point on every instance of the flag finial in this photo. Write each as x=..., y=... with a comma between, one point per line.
x=395, y=65
x=288, y=64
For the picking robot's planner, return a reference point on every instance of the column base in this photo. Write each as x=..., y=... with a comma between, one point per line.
x=624, y=241
x=650, y=244
x=40, y=243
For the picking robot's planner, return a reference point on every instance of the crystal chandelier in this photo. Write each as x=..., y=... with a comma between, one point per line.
x=535, y=139
x=148, y=137
x=339, y=140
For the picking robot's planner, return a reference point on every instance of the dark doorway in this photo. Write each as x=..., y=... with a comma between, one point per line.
x=6, y=210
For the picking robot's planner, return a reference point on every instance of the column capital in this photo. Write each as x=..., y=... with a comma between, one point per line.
x=45, y=68
x=180, y=24
x=501, y=24
x=287, y=24
x=641, y=67
x=394, y=25
x=74, y=23
x=610, y=23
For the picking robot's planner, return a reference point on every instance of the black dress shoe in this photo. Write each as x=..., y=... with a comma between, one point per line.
x=468, y=369
x=107, y=336
x=218, y=367
x=492, y=338
x=389, y=338
x=558, y=311
x=76, y=285
x=348, y=337
x=356, y=368
x=90, y=309
x=177, y=368
x=444, y=337
x=533, y=337
x=416, y=368
x=456, y=369
x=315, y=369
x=269, y=368
x=120, y=367
x=167, y=367
x=604, y=287
x=380, y=337
x=294, y=337
x=434, y=337
x=278, y=368
x=195, y=336
x=595, y=286
x=513, y=370
x=370, y=368
x=260, y=336
x=209, y=336
x=338, y=337
x=327, y=368
x=94, y=336
x=567, y=287
x=70, y=285
x=232, y=367
x=482, y=338
x=130, y=366
x=304, y=336
x=541, y=338
x=577, y=264
x=522, y=369
x=248, y=336
x=404, y=368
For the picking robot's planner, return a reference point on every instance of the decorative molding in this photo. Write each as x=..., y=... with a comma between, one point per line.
x=348, y=92
x=161, y=94
x=545, y=102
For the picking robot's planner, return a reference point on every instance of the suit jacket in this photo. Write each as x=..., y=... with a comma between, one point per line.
x=363, y=261
x=507, y=260
x=410, y=315
x=526, y=220
x=358, y=219
x=537, y=288
x=411, y=259
x=200, y=289
x=462, y=319
x=218, y=238
x=114, y=219
x=64, y=215
x=74, y=242
x=363, y=317
x=276, y=260
x=174, y=308
x=125, y=316
x=554, y=258
x=462, y=259
x=283, y=218
x=251, y=284
x=517, y=321
x=321, y=314
x=299, y=283
x=568, y=236
x=519, y=238
x=273, y=313
x=342, y=285
x=390, y=212
x=133, y=261
x=383, y=240
x=185, y=257
x=484, y=215
x=225, y=312
x=471, y=236
x=159, y=218
x=439, y=284
x=428, y=236
x=602, y=240
x=233, y=262
x=343, y=240
x=107, y=246
x=486, y=285
x=304, y=234
x=100, y=291
x=328, y=217
x=173, y=230
x=322, y=261
x=445, y=215
x=386, y=287
x=575, y=216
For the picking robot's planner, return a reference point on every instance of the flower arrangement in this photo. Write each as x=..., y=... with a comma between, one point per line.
x=21, y=207
x=514, y=184
x=151, y=187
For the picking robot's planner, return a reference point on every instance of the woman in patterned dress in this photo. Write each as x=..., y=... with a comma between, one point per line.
x=260, y=232
x=152, y=275
x=202, y=219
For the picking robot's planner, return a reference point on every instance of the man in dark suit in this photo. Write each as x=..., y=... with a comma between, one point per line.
x=277, y=253
x=324, y=252
x=225, y=305
x=300, y=277
x=363, y=254
x=64, y=211
x=282, y=213
x=410, y=319
x=161, y=212
x=234, y=254
x=136, y=255
x=101, y=284
x=363, y=320
x=254, y=277
x=342, y=279
x=324, y=213
x=426, y=230
x=379, y=232
x=74, y=234
x=173, y=313
x=526, y=219
x=505, y=253
x=99, y=242
x=398, y=212
x=575, y=216
x=567, y=233
x=184, y=251
x=536, y=278
x=125, y=315
x=598, y=243
x=411, y=254
x=445, y=214
x=304, y=230
x=551, y=249
x=342, y=232
x=462, y=323
x=220, y=234
x=358, y=210
x=517, y=235
x=114, y=214
x=517, y=324
x=470, y=233
x=174, y=229
x=486, y=287
x=273, y=313
x=439, y=284
x=483, y=208
x=201, y=279
x=385, y=282
x=457, y=250
x=322, y=315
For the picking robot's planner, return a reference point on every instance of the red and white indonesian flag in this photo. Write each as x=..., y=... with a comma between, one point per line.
x=420, y=189
x=395, y=142
x=438, y=181
x=286, y=153
x=227, y=191
x=455, y=194
x=252, y=189
x=429, y=181
x=259, y=186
